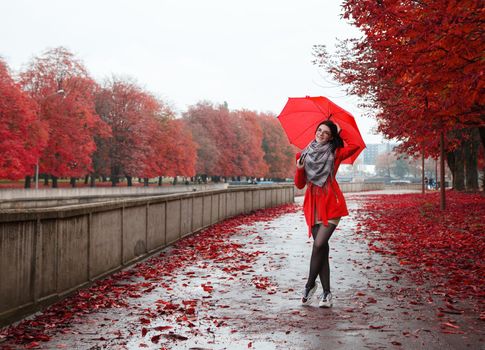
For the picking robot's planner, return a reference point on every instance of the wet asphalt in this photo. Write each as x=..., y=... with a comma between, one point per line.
x=373, y=308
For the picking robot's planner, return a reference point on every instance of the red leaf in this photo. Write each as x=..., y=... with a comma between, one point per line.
x=156, y=338
x=145, y=321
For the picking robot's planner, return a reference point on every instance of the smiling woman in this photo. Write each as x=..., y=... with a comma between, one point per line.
x=324, y=203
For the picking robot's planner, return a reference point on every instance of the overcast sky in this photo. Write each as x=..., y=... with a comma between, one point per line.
x=254, y=54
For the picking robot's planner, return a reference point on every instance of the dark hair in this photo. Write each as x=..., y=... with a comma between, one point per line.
x=336, y=140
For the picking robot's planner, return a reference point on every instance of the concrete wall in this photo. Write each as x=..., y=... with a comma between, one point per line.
x=47, y=253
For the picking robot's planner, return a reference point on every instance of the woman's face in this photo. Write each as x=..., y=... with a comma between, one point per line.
x=323, y=134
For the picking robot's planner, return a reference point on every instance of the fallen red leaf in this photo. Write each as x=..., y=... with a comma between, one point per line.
x=145, y=321
x=156, y=338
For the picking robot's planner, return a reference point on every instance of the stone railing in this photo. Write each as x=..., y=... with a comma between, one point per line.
x=46, y=253
x=403, y=186
x=48, y=197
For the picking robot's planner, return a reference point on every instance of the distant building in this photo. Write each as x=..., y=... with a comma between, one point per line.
x=373, y=150
x=370, y=154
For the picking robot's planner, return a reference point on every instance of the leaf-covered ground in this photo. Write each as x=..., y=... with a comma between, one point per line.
x=443, y=251
x=236, y=286
x=210, y=246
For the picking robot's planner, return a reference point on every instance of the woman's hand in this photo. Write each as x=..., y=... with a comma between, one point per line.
x=300, y=163
x=338, y=127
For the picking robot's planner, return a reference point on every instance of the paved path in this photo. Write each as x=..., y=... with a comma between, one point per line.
x=372, y=308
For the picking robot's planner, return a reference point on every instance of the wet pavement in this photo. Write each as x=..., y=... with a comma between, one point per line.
x=208, y=307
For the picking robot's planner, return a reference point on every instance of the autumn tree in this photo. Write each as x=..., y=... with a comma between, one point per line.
x=172, y=150
x=247, y=146
x=215, y=135
x=64, y=92
x=181, y=155
x=131, y=113
x=419, y=64
x=239, y=143
x=22, y=134
x=279, y=155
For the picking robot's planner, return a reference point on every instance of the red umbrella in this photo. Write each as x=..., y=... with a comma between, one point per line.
x=301, y=116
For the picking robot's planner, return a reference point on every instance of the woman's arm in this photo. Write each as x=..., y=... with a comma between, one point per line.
x=350, y=148
x=300, y=178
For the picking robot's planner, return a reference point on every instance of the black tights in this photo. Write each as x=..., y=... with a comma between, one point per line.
x=319, y=264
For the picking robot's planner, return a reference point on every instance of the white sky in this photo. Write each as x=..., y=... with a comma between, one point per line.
x=253, y=54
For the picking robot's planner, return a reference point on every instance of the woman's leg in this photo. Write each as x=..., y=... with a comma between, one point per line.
x=319, y=264
x=325, y=271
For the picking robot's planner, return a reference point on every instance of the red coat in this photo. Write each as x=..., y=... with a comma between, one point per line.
x=328, y=201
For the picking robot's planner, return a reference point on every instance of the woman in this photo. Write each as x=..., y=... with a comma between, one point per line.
x=324, y=203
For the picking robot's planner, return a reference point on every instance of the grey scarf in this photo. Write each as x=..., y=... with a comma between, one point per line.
x=319, y=162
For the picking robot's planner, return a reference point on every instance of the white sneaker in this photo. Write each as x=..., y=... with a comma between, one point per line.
x=325, y=300
x=307, y=294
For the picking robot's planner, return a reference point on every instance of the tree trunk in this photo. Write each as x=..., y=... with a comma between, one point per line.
x=470, y=147
x=442, y=172
x=86, y=179
x=145, y=182
x=54, y=182
x=92, y=182
x=27, y=182
x=459, y=170
x=46, y=180
x=160, y=180
x=481, y=131
x=423, y=180
x=483, y=179
x=129, y=180
x=73, y=182
x=114, y=181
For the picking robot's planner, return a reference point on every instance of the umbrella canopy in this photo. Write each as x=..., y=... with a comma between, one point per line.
x=301, y=116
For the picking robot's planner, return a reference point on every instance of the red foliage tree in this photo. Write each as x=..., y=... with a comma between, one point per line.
x=419, y=64
x=247, y=147
x=131, y=113
x=214, y=133
x=172, y=149
x=62, y=88
x=239, y=143
x=181, y=154
x=147, y=141
x=22, y=134
x=279, y=155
